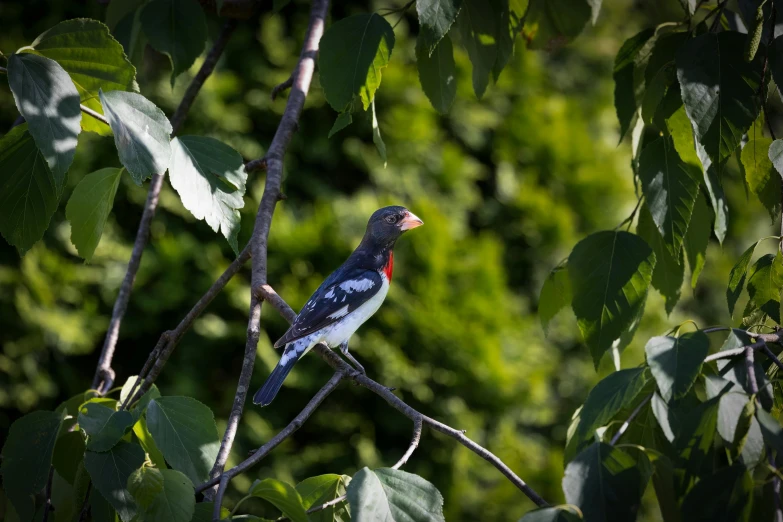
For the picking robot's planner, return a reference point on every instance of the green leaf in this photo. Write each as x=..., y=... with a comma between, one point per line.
x=148, y=443
x=736, y=371
x=555, y=295
x=104, y=426
x=663, y=482
x=376, y=136
x=282, y=495
x=48, y=100
x=27, y=457
x=726, y=495
x=669, y=270
x=552, y=514
x=174, y=502
x=694, y=443
x=763, y=180
x=605, y=483
x=625, y=100
x=670, y=187
x=141, y=133
x=776, y=155
x=771, y=430
x=203, y=512
x=510, y=16
x=478, y=27
x=210, y=180
x=764, y=286
x=68, y=454
x=28, y=191
x=185, y=431
x=131, y=36
x=550, y=24
x=610, y=272
x=435, y=20
x=676, y=361
x=110, y=471
x=437, y=73
x=655, y=98
x=119, y=9
x=719, y=90
x=89, y=208
x=145, y=484
x=776, y=59
x=177, y=28
x=353, y=53
x=736, y=425
x=100, y=509
x=616, y=391
x=316, y=491
x=737, y=277
x=343, y=120
x=93, y=59
x=697, y=238
x=394, y=496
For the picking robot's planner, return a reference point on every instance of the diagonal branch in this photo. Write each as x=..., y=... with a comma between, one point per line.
x=343, y=370
x=104, y=375
x=302, y=76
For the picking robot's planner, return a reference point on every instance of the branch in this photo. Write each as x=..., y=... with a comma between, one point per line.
x=104, y=375
x=100, y=117
x=417, y=424
x=206, y=69
x=628, y=421
x=282, y=87
x=343, y=370
x=169, y=340
x=725, y=354
x=302, y=76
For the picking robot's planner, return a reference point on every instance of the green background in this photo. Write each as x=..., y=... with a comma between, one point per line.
x=506, y=186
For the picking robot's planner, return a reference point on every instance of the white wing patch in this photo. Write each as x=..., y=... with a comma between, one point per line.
x=339, y=313
x=359, y=285
x=329, y=294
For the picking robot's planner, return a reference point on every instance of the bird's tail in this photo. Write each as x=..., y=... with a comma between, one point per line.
x=266, y=394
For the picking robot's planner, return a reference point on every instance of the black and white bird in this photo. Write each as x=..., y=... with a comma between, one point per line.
x=345, y=300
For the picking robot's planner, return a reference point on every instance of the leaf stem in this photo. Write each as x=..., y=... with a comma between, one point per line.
x=630, y=419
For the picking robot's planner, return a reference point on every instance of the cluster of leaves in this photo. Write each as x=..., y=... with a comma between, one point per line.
x=693, y=97
x=68, y=74
x=144, y=462
x=355, y=50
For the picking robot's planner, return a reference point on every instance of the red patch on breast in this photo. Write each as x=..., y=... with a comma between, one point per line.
x=389, y=267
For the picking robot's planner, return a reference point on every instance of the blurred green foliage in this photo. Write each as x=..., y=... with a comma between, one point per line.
x=506, y=187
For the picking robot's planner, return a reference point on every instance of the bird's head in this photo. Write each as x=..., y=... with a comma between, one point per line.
x=388, y=223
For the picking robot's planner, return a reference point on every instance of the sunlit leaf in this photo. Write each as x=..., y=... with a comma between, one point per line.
x=393, y=496
x=616, y=391
x=353, y=53
x=89, y=206
x=282, y=495
x=435, y=20
x=764, y=286
x=763, y=180
x=48, y=100
x=675, y=362
x=555, y=295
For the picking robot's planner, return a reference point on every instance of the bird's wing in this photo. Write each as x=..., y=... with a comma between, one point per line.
x=335, y=298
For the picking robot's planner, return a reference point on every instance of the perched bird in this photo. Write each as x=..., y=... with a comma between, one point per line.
x=345, y=300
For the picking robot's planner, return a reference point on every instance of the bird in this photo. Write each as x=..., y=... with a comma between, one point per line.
x=345, y=300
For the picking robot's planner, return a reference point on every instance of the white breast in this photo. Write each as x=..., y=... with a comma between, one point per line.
x=343, y=329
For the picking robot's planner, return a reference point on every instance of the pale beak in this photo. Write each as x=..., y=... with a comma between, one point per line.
x=410, y=221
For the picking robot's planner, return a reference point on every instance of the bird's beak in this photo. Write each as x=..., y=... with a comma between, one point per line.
x=410, y=221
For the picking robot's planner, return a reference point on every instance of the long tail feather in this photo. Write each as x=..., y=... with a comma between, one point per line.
x=266, y=394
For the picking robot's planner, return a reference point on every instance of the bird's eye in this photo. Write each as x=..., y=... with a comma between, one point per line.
x=391, y=219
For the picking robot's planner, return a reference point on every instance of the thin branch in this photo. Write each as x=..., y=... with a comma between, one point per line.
x=48, y=494
x=286, y=432
x=3, y=70
x=628, y=421
x=201, y=76
x=169, y=340
x=417, y=425
x=725, y=354
x=344, y=370
x=772, y=356
x=256, y=164
x=302, y=76
x=277, y=89
x=104, y=375
x=100, y=117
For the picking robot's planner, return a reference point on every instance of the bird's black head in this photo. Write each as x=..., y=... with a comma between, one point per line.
x=387, y=224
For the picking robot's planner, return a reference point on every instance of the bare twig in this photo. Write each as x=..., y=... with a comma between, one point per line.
x=302, y=76
x=725, y=354
x=343, y=370
x=277, y=89
x=201, y=76
x=286, y=432
x=628, y=421
x=417, y=424
x=772, y=356
x=48, y=495
x=3, y=70
x=104, y=375
x=256, y=164
x=100, y=117
x=169, y=340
